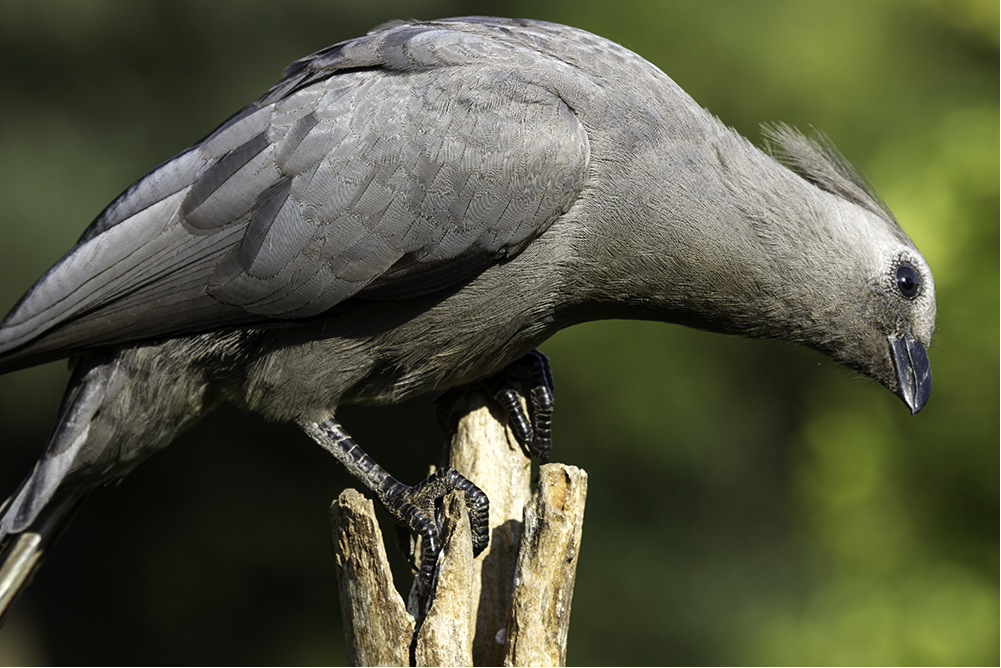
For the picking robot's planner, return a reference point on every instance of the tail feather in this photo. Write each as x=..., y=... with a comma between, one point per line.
x=120, y=407
x=35, y=515
x=22, y=553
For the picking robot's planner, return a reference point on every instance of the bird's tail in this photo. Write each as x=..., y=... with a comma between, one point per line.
x=21, y=553
x=112, y=417
x=35, y=515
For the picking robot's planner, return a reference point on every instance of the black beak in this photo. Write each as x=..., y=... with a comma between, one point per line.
x=913, y=372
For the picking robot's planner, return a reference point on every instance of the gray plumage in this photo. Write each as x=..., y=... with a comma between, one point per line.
x=417, y=208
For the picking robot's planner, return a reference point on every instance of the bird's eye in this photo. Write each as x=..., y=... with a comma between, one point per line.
x=907, y=281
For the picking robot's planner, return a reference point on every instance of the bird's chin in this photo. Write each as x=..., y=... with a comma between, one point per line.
x=910, y=359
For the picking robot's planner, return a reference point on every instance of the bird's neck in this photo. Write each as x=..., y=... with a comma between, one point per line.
x=709, y=249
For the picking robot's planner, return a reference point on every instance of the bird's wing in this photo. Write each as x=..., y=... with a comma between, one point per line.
x=386, y=167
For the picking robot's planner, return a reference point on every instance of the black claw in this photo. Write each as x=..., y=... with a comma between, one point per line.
x=478, y=507
x=521, y=425
x=532, y=429
x=417, y=508
x=541, y=399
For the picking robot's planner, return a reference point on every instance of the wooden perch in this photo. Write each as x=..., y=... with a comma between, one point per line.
x=510, y=605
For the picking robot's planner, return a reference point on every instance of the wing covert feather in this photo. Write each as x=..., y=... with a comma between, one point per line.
x=391, y=181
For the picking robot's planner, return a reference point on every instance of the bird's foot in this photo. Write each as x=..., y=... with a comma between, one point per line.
x=418, y=509
x=530, y=375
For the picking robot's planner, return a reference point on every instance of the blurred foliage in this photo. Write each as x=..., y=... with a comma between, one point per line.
x=750, y=502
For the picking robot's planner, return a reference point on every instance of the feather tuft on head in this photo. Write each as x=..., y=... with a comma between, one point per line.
x=817, y=160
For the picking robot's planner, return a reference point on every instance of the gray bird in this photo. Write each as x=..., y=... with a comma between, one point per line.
x=420, y=208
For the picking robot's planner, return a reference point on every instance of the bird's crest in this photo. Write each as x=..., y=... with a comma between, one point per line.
x=817, y=160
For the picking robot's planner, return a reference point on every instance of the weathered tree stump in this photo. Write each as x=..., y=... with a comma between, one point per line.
x=510, y=605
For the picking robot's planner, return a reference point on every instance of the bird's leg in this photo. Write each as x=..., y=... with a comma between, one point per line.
x=532, y=429
x=417, y=507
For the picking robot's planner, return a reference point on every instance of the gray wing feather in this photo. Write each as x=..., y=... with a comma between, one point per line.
x=385, y=167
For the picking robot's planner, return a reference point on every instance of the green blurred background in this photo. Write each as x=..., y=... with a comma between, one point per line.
x=750, y=502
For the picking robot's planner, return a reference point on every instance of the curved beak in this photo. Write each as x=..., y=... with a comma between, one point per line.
x=910, y=358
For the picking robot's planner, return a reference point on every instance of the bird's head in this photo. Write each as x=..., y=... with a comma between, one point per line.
x=871, y=292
